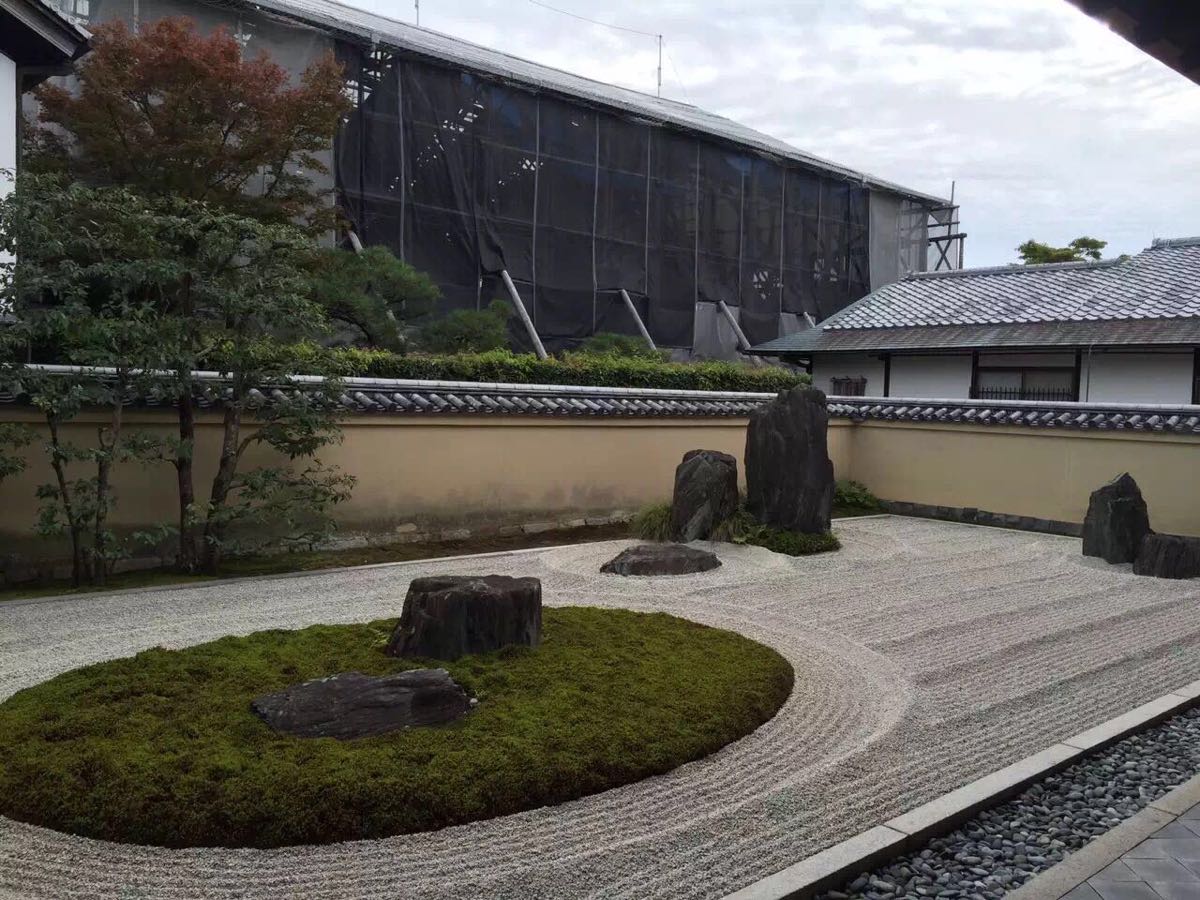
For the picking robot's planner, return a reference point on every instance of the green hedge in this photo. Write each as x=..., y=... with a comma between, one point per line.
x=576, y=369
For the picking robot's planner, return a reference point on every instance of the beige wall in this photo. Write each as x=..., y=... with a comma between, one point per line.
x=1044, y=473
x=492, y=469
x=426, y=469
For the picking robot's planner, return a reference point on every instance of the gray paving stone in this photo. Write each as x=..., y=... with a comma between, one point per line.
x=1116, y=871
x=1192, y=825
x=1177, y=830
x=1177, y=890
x=1082, y=892
x=1166, y=848
x=1193, y=813
x=1125, y=890
x=1161, y=870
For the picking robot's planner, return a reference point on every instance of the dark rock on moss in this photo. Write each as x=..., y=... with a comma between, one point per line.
x=789, y=475
x=449, y=616
x=1168, y=556
x=353, y=705
x=1116, y=521
x=706, y=494
x=661, y=559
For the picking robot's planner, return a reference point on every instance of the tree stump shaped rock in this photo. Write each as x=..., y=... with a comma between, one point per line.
x=1116, y=521
x=352, y=705
x=448, y=616
x=705, y=495
x=1168, y=556
x=789, y=475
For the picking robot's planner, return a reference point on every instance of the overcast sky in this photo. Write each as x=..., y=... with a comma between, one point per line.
x=1052, y=126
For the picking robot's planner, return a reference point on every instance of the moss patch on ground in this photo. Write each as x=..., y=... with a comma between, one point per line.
x=162, y=748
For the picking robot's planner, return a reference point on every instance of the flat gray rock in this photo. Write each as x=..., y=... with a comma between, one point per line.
x=661, y=559
x=352, y=705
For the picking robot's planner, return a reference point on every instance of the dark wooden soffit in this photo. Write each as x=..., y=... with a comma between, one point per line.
x=1168, y=30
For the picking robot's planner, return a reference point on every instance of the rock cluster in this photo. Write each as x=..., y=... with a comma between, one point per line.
x=352, y=705
x=1005, y=846
x=1117, y=529
x=705, y=495
x=660, y=559
x=789, y=475
x=448, y=616
x=1116, y=521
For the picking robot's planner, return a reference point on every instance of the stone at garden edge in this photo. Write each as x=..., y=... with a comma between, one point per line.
x=706, y=494
x=352, y=705
x=1116, y=521
x=660, y=559
x=448, y=616
x=1168, y=556
x=789, y=475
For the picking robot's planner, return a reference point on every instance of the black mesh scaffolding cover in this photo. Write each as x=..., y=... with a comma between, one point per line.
x=464, y=177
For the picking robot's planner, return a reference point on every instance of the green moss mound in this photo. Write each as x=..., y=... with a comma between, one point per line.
x=162, y=748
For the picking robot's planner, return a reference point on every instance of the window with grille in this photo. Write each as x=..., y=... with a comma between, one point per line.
x=848, y=386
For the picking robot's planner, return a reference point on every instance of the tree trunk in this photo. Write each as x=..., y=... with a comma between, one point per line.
x=186, y=484
x=226, y=470
x=103, y=472
x=74, y=526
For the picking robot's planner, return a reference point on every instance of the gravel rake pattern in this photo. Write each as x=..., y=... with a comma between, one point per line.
x=879, y=723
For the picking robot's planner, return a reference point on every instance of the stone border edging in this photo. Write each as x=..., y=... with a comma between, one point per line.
x=1087, y=861
x=833, y=865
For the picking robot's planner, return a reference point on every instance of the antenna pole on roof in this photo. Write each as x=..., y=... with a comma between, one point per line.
x=658, y=92
x=417, y=7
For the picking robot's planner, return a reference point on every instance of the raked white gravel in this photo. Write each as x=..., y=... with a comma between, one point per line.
x=926, y=655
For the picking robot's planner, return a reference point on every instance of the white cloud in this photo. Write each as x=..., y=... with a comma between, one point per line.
x=1051, y=125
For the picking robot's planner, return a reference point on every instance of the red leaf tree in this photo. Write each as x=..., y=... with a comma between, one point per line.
x=169, y=111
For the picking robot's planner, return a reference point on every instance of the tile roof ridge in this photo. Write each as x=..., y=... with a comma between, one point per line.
x=1160, y=243
x=1016, y=269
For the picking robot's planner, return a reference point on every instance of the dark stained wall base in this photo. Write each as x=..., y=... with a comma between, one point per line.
x=971, y=516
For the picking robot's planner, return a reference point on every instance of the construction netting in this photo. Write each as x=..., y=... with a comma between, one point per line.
x=464, y=177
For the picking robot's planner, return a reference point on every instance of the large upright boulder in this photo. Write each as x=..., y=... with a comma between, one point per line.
x=1116, y=521
x=789, y=475
x=706, y=494
x=448, y=616
x=1168, y=556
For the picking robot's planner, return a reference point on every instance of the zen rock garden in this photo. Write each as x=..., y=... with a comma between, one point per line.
x=1117, y=530
x=789, y=480
x=444, y=617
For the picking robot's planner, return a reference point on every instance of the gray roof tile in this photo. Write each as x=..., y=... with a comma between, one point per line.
x=1150, y=298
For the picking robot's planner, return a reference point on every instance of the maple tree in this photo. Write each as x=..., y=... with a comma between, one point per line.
x=170, y=112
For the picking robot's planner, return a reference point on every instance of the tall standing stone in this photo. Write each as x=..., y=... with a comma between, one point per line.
x=706, y=494
x=789, y=475
x=1116, y=521
x=448, y=616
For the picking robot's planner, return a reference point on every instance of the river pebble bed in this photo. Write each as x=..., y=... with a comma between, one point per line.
x=1007, y=845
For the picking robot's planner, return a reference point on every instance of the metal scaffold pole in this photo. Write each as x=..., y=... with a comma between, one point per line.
x=637, y=318
x=524, y=314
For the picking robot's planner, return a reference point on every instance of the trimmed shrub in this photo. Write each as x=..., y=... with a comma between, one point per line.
x=854, y=495
x=573, y=369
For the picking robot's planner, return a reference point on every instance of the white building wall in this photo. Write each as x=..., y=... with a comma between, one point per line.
x=943, y=377
x=827, y=366
x=8, y=126
x=1136, y=378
